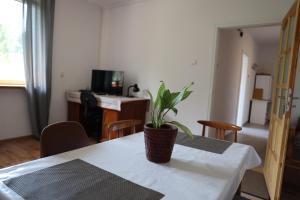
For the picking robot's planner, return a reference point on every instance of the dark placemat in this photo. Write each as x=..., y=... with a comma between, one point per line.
x=77, y=180
x=203, y=143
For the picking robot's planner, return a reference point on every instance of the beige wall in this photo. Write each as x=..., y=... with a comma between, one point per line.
x=75, y=53
x=14, y=118
x=267, y=58
x=228, y=75
x=160, y=39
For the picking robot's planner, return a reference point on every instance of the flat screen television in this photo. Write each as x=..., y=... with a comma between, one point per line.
x=107, y=82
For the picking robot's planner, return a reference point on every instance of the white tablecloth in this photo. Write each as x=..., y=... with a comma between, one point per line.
x=191, y=173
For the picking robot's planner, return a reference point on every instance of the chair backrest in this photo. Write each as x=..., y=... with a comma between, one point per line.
x=61, y=137
x=120, y=126
x=221, y=128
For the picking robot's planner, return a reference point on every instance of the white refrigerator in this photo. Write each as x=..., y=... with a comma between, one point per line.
x=260, y=110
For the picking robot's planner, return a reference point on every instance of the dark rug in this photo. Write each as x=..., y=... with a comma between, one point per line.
x=254, y=184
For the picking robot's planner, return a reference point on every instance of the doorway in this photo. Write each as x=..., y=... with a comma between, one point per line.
x=246, y=61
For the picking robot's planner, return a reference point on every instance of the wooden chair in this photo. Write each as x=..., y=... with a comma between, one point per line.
x=61, y=137
x=221, y=128
x=122, y=127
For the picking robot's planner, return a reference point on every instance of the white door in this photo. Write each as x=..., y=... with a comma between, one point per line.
x=242, y=94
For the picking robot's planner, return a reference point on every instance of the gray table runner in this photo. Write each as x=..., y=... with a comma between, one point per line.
x=203, y=143
x=78, y=180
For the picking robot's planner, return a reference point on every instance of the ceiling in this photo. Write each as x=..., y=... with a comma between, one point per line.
x=113, y=3
x=264, y=35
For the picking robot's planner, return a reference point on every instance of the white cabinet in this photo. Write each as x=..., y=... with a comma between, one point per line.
x=259, y=111
x=264, y=82
x=260, y=107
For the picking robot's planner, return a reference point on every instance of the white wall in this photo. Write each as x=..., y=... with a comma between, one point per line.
x=14, y=117
x=75, y=51
x=77, y=32
x=159, y=40
x=228, y=76
x=267, y=58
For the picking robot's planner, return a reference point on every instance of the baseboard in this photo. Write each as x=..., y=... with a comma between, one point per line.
x=17, y=138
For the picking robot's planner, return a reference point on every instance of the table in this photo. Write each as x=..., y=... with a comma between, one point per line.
x=191, y=173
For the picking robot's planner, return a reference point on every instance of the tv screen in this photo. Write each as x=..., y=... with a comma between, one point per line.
x=107, y=82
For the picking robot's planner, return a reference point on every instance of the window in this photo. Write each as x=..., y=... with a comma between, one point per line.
x=11, y=51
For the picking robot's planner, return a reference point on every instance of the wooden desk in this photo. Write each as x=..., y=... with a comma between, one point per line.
x=114, y=108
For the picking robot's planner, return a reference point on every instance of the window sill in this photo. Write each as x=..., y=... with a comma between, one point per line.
x=3, y=86
x=18, y=84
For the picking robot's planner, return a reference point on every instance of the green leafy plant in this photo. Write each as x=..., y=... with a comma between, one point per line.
x=167, y=101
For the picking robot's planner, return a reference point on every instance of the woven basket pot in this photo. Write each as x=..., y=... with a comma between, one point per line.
x=159, y=143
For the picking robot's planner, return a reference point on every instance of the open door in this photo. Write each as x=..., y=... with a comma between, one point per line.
x=282, y=101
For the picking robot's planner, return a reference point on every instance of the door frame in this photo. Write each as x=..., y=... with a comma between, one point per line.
x=216, y=43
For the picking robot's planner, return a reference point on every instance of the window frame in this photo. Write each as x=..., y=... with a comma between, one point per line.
x=10, y=83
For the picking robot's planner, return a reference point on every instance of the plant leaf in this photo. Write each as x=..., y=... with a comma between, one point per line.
x=185, y=129
x=166, y=99
x=182, y=95
x=160, y=94
x=186, y=95
x=174, y=110
x=151, y=107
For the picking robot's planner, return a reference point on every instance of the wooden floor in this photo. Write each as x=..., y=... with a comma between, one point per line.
x=20, y=150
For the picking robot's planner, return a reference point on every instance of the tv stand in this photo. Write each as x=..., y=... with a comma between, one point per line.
x=114, y=108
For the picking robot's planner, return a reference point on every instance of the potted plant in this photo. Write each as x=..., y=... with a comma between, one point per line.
x=160, y=134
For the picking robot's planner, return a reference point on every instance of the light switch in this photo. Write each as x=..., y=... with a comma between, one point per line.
x=195, y=62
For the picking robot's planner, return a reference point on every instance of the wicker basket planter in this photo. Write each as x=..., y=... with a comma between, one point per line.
x=159, y=143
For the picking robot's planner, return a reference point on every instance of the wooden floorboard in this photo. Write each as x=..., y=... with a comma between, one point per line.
x=20, y=150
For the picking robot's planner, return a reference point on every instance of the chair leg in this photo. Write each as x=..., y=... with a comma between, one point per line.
x=217, y=134
x=98, y=137
x=98, y=131
x=235, y=136
x=222, y=134
x=203, y=131
x=239, y=190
